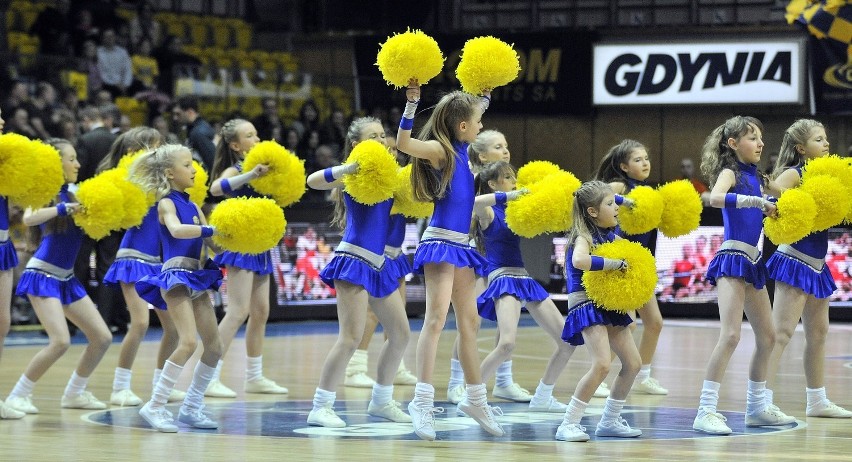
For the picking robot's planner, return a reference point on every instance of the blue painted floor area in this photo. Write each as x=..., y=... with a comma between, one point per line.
x=287, y=419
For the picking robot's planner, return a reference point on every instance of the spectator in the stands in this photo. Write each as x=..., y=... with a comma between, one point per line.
x=19, y=123
x=307, y=148
x=94, y=143
x=291, y=139
x=143, y=26
x=199, y=132
x=308, y=118
x=53, y=28
x=41, y=108
x=173, y=63
x=18, y=96
x=161, y=124
x=82, y=31
x=333, y=131
x=268, y=122
x=114, y=65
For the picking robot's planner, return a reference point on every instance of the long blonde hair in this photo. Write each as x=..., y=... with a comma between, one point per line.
x=716, y=155
x=135, y=139
x=225, y=156
x=149, y=170
x=590, y=194
x=453, y=109
x=354, y=135
x=797, y=133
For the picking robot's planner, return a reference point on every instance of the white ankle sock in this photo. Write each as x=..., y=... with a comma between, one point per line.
x=163, y=388
x=456, y=374
x=769, y=397
x=254, y=368
x=575, y=411
x=218, y=371
x=612, y=409
x=23, y=388
x=816, y=396
x=543, y=392
x=709, y=396
x=424, y=395
x=755, y=397
x=157, y=373
x=644, y=373
x=201, y=377
x=476, y=394
x=121, y=381
x=504, y=375
x=323, y=398
x=382, y=394
x=76, y=385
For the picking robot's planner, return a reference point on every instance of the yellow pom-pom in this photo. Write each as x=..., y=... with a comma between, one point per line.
x=681, y=208
x=285, y=180
x=14, y=158
x=41, y=175
x=796, y=212
x=832, y=165
x=622, y=291
x=135, y=203
x=409, y=55
x=831, y=197
x=535, y=171
x=198, y=191
x=248, y=225
x=99, y=215
x=646, y=212
x=487, y=63
x=127, y=160
x=403, y=197
x=564, y=214
x=546, y=208
x=375, y=179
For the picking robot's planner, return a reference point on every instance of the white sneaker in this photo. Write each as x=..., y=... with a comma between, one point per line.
x=390, y=410
x=552, y=405
x=217, y=389
x=176, y=395
x=649, y=386
x=159, y=419
x=325, y=417
x=358, y=380
x=828, y=409
x=617, y=428
x=265, y=386
x=124, y=398
x=196, y=418
x=484, y=416
x=455, y=394
x=602, y=391
x=572, y=432
x=7, y=413
x=85, y=400
x=513, y=392
x=711, y=422
x=404, y=377
x=423, y=420
x=22, y=404
x=768, y=418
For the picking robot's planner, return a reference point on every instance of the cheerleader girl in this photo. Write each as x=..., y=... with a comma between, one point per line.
x=729, y=162
x=182, y=287
x=49, y=283
x=510, y=286
x=441, y=174
x=595, y=216
x=625, y=167
x=248, y=275
x=359, y=274
x=803, y=282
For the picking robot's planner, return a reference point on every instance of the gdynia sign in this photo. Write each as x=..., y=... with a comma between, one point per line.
x=699, y=73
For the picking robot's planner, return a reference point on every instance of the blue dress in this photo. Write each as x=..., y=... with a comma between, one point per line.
x=644, y=239
x=257, y=263
x=8, y=255
x=802, y=264
x=139, y=253
x=50, y=271
x=506, y=272
x=182, y=265
x=359, y=258
x=583, y=312
x=739, y=256
x=396, y=262
x=446, y=238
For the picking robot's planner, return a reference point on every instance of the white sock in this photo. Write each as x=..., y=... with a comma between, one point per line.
x=201, y=377
x=323, y=398
x=357, y=363
x=166, y=383
x=769, y=397
x=402, y=367
x=504, y=375
x=382, y=394
x=543, y=392
x=755, y=397
x=816, y=396
x=254, y=368
x=23, y=388
x=575, y=411
x=218, y=371
x=424, y=395
x=476, y=394
x=76, y=385
x=456, y=374
x=709, y=396
x=157, y=373
x=644, y=373
x=612, y=409
x=121, y=381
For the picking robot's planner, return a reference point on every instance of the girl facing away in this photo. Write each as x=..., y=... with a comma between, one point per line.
x=803, y=282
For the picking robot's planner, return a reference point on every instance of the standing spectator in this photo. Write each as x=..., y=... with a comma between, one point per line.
x=291, y=139
x=333, y=131
x=41, y=110
x=19, y=95
x=269, y=121
x=173, y=62
x=143, y=26
x=82, y=31
x=687, y=172
x=52, y=28
x=162, y=125
x=88, y=64
x=114, y=65
x=20, y=123
x=307, y=148
x=199, y=133
x=308, y=118
x=111, y=116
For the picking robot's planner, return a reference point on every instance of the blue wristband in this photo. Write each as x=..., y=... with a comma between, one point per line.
x=619, y=199
x=61, y=209
x=597, y=263
x=328, y=174
x=226, y=186
x=500, y=198
x=206, y=231
x=406, y=124
x=731, y=201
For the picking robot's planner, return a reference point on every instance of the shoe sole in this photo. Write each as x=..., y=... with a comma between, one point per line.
x=709, y=432
x=159, y=429
x=466, y=408
x=830, y=416
x=547, y=410
x=616, y=435
x=319, y=424
x=579, y=439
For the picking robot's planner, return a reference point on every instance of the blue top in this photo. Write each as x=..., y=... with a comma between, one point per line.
x=367, y=225
x=145, y=237
x=453, y=211
x=573, y=275
x=744, y=224
x=502, y=246
x=396, y=230
x=4, y=214
x=814, y=244
x=643, y=239
x=60, y=248
x=187, y=213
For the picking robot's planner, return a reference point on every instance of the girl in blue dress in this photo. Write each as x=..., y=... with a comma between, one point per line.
x=441, y=174
x=248, y=275
x=803, y=282
x=182, y=287
x=595, y=216
x=360, y=275
x=729, y=162
x=49, y=283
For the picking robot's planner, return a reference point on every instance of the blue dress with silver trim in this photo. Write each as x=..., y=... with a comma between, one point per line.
x=139, y=253
x=8, y=254
x=397, y=262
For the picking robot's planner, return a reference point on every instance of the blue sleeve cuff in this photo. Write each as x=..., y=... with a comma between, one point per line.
x=597, y=263
x=206, y=231
x=406, y=124
x=731, y=200
x=500, y=198
x=328, y=174
x=226, y=186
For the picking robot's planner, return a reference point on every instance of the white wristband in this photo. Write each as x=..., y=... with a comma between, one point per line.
x=410, y=110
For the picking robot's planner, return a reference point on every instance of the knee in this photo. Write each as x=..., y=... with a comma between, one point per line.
x=435, y=323
x=783, y=336
x=730, y=341
x=631, y=364
x=215, y=348
x=505, y=347
x=816, y=334
x=187, y=346
x=138, y=326
x=653, y=325
x=60, y=345
x=260, y=312
x=601, y=368
x=766, y=339
x=102, y=340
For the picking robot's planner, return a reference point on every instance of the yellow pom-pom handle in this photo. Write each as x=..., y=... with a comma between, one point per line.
x=681, y=208
x=198, y=191
x=403, y=197
x=646, y=212
x=622, y=291
x=99, y=214
x=285, y=180
x=409, y=55
x=487, y=63
x=248, y=225
x=39, y=175
x=831, y=197
x=796, y=211
x=376, y=178
x=535, y=171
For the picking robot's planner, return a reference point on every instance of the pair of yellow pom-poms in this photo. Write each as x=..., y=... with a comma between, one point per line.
x=99, y=214
x=681, y=208
x=248, y=225
x=376, y=178
x=646, y=212
x=548, y=205
x=285, y=180
x=409, y=55
x=622, y=291
x=403, y=197
x=30, y=171
x=487, y=63
x=795, y=217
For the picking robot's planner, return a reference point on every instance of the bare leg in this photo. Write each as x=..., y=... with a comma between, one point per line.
x=508, y=310
x=351, y=314
x=139, y=318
